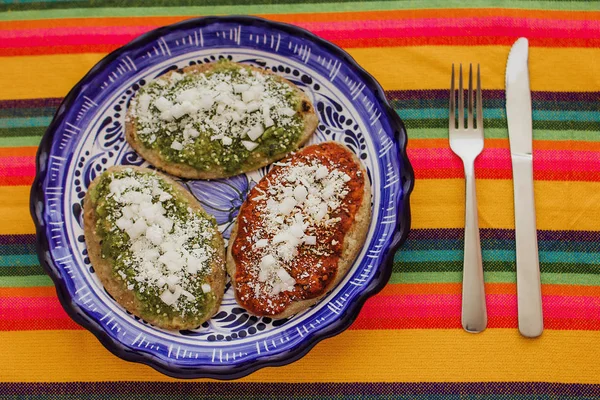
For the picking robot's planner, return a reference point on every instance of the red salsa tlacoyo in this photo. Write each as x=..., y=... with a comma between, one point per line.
x=291, y=229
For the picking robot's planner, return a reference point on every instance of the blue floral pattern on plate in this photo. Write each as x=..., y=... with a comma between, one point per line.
x=87, y=136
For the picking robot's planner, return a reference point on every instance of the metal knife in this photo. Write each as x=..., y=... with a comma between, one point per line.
x=518, y=113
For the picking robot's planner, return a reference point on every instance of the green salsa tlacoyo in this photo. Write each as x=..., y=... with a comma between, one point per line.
x=217, y=118
x=159, y=247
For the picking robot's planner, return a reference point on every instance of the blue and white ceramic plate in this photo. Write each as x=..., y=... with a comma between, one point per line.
x=86, y=137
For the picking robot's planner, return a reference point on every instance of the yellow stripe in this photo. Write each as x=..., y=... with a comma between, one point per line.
x=396, y=68
x=439, y=203
x=428, y=67
x=43, y=76
x=435, y=203
x=409, y=356
x=14, y=211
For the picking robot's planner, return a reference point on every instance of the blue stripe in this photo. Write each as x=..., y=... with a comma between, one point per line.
x=29, y=122
x=500, y=113
x=497, y=255
x=21, y=260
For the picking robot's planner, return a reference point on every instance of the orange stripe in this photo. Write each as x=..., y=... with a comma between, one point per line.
x=490, y=288
x=314, y=17
x=503, y=144
x=40, y=291
x=18, y=151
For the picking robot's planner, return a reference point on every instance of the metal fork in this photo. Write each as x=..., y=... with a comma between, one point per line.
x=467, y=143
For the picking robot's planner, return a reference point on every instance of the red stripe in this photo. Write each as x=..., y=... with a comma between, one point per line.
x=16, y=180
x=486, y=173
x=342, y=42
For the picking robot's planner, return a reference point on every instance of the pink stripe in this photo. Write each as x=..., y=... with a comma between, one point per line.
x=499, y=159
x=73, y=31
x=426, y=27
x=17, y=166
x=49, y=41
x=470, y=22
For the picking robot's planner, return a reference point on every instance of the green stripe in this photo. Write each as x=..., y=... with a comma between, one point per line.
x=494, y=277
x=492, y=103
x=20, y=141
x=25, y=281
x=417, y=130
x=499, y=244
x=22, y=270
x=502, y=133
x=28, y=131
x=494, y=266
x=35, y=11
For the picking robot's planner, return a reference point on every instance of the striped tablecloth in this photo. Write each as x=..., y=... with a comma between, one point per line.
x=407, y=340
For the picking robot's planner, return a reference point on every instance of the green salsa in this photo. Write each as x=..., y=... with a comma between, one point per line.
x=214, y=120
x=130, y=257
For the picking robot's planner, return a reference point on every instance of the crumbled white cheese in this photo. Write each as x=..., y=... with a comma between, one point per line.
x=300, y=193
x=161, y=253
x=261, y=243
x=310, y=240
x=137, y=229
x=176, y=145
x=255, y=132
x=162, y=104
x=321, y=172
x=295, y=208
x=287, y=205
x=221, y=105
x=249, y=145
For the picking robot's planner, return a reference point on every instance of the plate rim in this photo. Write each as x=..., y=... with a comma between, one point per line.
x=223, y=372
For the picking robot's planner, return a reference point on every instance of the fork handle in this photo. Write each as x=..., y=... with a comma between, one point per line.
x=474, y=313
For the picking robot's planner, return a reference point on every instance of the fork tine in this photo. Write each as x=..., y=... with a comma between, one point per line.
x=479, y=102
x=461, y=105
x=451, y=121
x=470, y=97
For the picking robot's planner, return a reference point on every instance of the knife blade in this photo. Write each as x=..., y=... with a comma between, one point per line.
x=520, y=134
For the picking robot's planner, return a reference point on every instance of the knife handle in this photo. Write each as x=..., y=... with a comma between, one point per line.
x=529, y=294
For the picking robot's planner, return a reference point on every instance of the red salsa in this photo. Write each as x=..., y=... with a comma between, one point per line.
x=314, y=268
